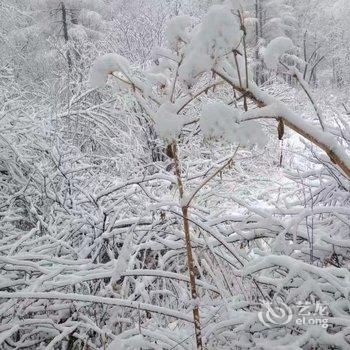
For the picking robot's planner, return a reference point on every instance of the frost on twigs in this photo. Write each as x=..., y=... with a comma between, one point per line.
x=217, y=35
x=275, y=49
x=105, y=65
x=168, y=123
x=222, y=122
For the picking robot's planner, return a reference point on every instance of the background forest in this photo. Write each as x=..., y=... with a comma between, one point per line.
x=174, y=174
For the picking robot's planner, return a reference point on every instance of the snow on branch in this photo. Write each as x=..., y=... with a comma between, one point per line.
x=275, y=49
x=219, y=120
x=97, y=299
x=176, y=30
x=217, y=35
x=273, y=108
x=105, y=65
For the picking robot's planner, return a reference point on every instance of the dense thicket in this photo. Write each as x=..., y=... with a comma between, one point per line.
x=207, y=179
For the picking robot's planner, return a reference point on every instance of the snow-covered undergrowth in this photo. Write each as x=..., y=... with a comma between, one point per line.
x=93, y=250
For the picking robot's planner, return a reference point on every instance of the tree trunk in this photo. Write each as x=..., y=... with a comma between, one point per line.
x=65, y=33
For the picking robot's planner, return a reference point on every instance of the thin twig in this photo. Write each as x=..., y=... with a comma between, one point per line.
x=193, y=194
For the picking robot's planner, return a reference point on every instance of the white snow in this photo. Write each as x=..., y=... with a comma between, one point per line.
x=217, y=120
x=96, y=299
x=176, y=31
x=92, y=239
x=77, y=33
x=168, y=123
x=90, y=19
x=222, y=121
x=158, y=79
x=340, y=8
x=105, y=65
x=274, y=108
x=275, y=49
x=133, y=343
x=217, y=35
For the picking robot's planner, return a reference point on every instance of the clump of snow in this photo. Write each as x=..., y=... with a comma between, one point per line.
x=168, y=123
x=176, y=31
x=158, y=79
x=159, y=53
x=77, y=33
x=340, y=8
x=275, y=49
x=195, y=63
x=221, y=121
x=250, y=133
x=217, y=35
x=217, y=120
x=105, y=65
x=91, y=19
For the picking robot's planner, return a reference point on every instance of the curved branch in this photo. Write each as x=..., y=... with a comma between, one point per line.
x=272, y=108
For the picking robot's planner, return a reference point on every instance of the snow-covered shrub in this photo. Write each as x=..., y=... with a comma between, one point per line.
x=109, y=247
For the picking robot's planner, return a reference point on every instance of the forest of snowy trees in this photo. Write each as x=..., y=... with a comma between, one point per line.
x=174, y=174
